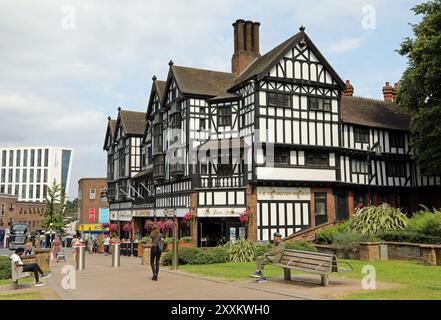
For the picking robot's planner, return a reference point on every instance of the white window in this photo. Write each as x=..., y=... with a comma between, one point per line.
x=92, y=194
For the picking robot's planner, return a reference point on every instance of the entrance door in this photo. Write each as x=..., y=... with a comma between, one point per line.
x=341, y=204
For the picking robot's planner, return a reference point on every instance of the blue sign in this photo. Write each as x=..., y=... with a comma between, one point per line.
x=104, y=215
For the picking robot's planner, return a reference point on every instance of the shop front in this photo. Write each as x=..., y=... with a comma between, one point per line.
x=91, y=230
x=217, y=226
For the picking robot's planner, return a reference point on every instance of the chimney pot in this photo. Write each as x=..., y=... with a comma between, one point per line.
x=256, y=37
x=248, y=35
x=388, y=92
x=349, y=92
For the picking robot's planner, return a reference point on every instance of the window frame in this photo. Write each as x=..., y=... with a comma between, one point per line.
x=224, y=119
x=92, y=191
x=319, y=103
x=308, y=155
x=279, y=100
x=361, y=132
x=322, y=198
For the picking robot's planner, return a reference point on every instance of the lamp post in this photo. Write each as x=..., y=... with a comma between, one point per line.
x=50, y=234
x=175, y=235
x=376, y=148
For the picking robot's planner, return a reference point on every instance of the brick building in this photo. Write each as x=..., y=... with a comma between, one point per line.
x=92, y=208
x=12, y=210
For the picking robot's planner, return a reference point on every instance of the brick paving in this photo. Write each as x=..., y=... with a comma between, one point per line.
x=132, y=281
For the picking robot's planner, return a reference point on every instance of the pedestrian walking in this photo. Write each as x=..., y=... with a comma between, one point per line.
x=156, y=250
x=56, y=248
x=75, y=244
x=107, y=245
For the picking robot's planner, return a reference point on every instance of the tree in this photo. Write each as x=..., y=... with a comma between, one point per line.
x=420, y=87
x=55, y=206
x=71, y=210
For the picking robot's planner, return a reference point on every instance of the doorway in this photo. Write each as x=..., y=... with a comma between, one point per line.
x=341, y=204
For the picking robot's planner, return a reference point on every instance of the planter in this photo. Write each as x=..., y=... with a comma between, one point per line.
x=101, y=248
x=185, y=245
x=139, y=249
x=146, y=248
x=370, y=251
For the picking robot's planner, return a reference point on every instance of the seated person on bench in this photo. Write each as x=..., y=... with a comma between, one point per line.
x=31, y=267
x=273, y=256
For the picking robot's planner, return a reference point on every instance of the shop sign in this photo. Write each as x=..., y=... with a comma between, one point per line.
x=220, y=212
x=114, y=215
x=104, y=215
x=90, y=227
x=142, y=213
x=92, y=215
x=125, y=215
x=273, y=193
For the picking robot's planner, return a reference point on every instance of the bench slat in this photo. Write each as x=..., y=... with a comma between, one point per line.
x=302, y=269
x=305, y=255
x=305, y=260
x=309, y=267
x=287, y=251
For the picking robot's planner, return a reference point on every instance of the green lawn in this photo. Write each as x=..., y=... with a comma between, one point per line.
x=21, y=296
x=416, y=281
x=5, y=282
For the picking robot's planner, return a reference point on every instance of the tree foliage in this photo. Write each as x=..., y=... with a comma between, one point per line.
x=420, y=87
x=55, y=205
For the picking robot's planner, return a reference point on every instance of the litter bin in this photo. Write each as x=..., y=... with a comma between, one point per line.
x=81, y=257
x=116, y=260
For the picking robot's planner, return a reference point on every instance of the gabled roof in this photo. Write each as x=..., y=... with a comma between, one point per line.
x=133, y=122
x=201, y=82
x=373, y=113
x=264, y=64
x=110, y=131
x=158, y=88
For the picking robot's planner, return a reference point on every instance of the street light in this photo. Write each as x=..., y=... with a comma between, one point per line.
x=50, y=234
x=377, y=150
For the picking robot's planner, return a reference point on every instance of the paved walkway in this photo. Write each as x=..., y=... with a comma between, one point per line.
x=132, y=281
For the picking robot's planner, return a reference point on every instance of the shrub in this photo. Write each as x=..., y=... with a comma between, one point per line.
x=5, y=268
x=301, y=246
x=146, y=240
x=261, y=249
x=350, y=240
x=197, y=256
x=410, y=237
x=373, y=220
x=327, y=236
x=426, y=222
x=241, y=251
x=217, y=255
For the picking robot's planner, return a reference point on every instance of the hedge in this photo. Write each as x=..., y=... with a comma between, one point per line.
x=198, y=256
x=409, y=236
x=5, y=268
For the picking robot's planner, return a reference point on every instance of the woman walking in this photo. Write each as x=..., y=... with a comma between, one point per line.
x=155, y=253
x=56, y=248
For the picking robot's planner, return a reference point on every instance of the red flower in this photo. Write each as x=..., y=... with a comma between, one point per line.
x=245, y=216
x=127, y=227
x=187, y=217
x=113, y=227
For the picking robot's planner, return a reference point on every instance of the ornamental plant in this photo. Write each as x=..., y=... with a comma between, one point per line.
x=127, y=227
x=113, y=228
x=373, y=220
x=241, y=250
x=168, y=225
x=105, y=225
x=148, y=226
x=187, y=217
x=245, y=216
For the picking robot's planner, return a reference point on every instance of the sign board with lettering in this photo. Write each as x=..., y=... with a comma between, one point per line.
x=283, y=194
x=125, y=215
x=104, y=215
x=220, y=212
x=92, y=215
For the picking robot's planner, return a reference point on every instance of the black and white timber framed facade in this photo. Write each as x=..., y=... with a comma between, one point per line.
x=281, y=136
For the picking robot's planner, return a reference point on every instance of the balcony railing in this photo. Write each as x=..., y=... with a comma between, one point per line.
x=221, y=182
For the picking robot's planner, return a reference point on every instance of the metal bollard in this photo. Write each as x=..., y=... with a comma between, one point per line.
x=81, y=258
x=116, y=260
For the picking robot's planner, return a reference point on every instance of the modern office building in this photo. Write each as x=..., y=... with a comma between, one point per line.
x=27, y=172
x=281, y=138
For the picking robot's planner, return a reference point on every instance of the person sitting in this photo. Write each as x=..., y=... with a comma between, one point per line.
x=273, y=256
x=31, y=267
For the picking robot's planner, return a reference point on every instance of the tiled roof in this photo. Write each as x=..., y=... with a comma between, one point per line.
x=373, y=113
x=133, y=122
x=202, y=82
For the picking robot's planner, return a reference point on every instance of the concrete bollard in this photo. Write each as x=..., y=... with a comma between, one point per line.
x=81, y=257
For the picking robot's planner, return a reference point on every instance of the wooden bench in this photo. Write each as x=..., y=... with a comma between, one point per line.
x=311, y=262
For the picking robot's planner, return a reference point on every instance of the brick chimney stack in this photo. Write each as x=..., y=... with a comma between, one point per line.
x=246, y=45
x=349, y=92
x=388, y=92
x=395, y=92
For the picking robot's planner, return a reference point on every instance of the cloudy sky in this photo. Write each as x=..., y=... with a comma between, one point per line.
x=67, y=65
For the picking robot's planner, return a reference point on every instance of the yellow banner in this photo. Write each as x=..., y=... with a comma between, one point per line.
x=90, y=227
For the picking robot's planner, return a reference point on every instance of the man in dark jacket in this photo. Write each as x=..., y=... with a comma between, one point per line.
x=273, y=256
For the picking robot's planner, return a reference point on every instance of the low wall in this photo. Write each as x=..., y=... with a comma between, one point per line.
x=427, y=254
x=42, y=257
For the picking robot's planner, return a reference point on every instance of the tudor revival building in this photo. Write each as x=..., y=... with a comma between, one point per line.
x=282, y=136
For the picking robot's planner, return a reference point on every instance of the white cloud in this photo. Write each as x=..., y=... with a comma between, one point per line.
x=346, y=44
x=58, y=86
